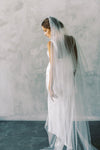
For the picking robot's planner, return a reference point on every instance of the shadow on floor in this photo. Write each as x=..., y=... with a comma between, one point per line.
x=31, y=135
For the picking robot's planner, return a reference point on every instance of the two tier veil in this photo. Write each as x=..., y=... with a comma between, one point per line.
x=69, y=84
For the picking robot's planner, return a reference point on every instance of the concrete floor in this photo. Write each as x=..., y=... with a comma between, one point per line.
x=31, y=135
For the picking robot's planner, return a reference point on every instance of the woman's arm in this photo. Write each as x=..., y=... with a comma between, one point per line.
x=51, y=66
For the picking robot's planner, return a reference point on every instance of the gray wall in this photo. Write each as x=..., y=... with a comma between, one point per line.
x=23, y=46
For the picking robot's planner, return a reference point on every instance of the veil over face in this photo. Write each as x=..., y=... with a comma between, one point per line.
x=69, y=84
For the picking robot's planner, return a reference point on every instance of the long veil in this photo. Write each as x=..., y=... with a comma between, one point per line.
x=69, y=84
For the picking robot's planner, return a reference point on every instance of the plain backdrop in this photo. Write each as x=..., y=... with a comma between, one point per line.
x=23, y=52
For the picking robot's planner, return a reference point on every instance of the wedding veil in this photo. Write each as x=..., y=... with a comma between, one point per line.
x=69, y=84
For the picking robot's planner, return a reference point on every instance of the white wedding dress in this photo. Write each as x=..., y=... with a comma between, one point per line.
x=58, y=120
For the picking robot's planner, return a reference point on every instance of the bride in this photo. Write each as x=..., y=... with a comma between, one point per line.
x=65, y=86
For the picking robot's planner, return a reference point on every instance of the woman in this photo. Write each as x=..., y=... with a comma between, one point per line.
x=65, y=105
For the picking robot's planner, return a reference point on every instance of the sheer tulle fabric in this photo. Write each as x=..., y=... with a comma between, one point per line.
x=66, y=115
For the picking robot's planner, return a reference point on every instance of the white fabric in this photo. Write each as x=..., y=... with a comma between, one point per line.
x=67, y=109
x=60, y=107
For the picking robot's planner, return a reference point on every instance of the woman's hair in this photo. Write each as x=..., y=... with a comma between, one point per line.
x=46, y=23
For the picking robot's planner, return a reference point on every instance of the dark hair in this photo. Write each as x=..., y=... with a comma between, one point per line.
x=46, y=23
